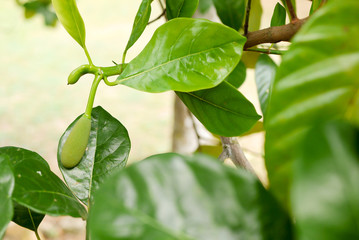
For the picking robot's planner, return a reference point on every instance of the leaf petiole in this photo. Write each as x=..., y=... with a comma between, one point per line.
x=88, y=55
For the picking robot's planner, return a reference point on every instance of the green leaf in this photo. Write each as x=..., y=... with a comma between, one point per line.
x=39, y=189
x=170, y=196
x=279, y=15
x=353, y=111
x=140, y=23
x=250, y=58
x=316, y=81
x=255, y=16
x=204, y=6
x=69, y=16
x=185, y=55
x=231, y=12
x=180, y=8
x=264, y=74
x=325, y=193
x=7, y=183
x=223, y=110
x=238, y=75
x=315, y=5
x=107, y=150
x=26, y=218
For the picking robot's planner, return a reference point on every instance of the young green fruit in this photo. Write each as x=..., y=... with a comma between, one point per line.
x=77, y=73
x=76, y=143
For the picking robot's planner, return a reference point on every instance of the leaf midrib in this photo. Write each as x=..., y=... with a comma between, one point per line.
x=54, y=193
x=220, y=107
x=169, y=62
x=76, y=24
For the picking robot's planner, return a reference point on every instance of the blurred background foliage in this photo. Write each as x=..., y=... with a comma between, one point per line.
x=41, y=7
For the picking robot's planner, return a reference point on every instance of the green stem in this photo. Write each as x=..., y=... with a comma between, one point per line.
x=37, y=235
x=123, y=58
x=108, y=83
x=91, y=99
x=33, y=224
x=114, y=70
x=88, y=55
x=267, y=51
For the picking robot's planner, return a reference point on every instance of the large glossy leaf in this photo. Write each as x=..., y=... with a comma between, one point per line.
x=180, y=8
x=231, y=12
x=107, y=150
x=325, y=192
x=69, y=16
x=238, y=75
x=185, y=55
x=140, y=23
x=264, y=74
x=7, y=184
x=279, y=15
x=39, y=189
x=315, y=5
x=170, y=196
x=26, y=218
x=316, y=81
x=223, y=110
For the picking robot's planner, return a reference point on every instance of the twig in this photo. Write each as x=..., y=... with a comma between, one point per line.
x=161, y=15
x=267, y=51
x=274, y=34
x=163, y=8
x=292, y=13
x=194, y=127
x=246, y=23
x=232, y=150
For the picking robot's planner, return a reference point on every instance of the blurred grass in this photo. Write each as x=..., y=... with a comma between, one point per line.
x=36, y=105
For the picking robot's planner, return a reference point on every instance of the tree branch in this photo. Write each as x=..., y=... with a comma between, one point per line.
x=232, y=150
x=246, y=23
x=274, y=34
x=292, y=13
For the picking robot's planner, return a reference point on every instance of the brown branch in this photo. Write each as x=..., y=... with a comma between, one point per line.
x=246, y=23
x=292, y=13
x=232, y=150
x=274, y=34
